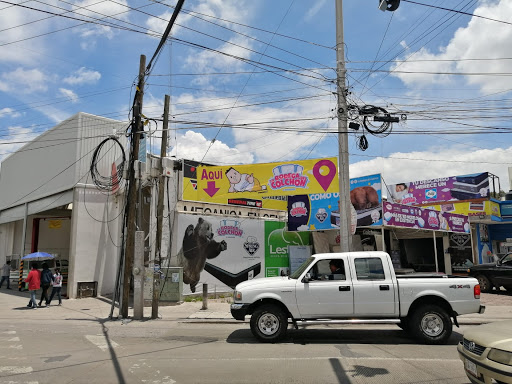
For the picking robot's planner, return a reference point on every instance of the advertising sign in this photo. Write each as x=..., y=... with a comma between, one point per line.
x=220, y=251
x=399, y=215
x=258, y=181
x=223, y=251
x=321, y=211
x=469, y=208
x=277, y=241
x=190, y=192
x=466, y=187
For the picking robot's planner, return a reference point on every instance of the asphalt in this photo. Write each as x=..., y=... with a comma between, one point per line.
x=498, y=308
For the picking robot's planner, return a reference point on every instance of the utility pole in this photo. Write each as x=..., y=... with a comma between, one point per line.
x=160, y=211
x=344, y=178
x=132, y=188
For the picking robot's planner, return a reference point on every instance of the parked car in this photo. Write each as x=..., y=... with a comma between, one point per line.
x=486, y=352
x=492, y=275
x=365, y=289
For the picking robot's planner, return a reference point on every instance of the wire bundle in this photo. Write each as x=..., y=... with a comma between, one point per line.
x=112, y=182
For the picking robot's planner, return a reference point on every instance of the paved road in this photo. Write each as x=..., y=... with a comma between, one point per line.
x=75, y=344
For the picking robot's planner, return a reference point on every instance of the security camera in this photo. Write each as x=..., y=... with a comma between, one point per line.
x=389, y=5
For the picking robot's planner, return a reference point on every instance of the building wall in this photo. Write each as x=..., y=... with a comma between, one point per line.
x=95, y=243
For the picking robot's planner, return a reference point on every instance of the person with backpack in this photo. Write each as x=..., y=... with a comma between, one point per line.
x=46, y=281
x=57, y=286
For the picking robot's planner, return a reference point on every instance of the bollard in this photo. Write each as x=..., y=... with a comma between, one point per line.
x=205, y=296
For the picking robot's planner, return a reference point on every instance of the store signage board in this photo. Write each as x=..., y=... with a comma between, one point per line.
x=433, y=191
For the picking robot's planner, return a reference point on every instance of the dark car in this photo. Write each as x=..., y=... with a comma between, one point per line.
x=497, y=274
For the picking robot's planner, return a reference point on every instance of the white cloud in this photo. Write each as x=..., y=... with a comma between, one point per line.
x=83, y=76
x=99, y=10
x=413, y=166
x=479, y=39
x=69, y=94
x=23, y=81
x=194, y=146
x=314, y=9
x=9, y=112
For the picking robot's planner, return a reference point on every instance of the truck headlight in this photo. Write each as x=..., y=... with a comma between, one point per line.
x=237, y=296
x=500, y=356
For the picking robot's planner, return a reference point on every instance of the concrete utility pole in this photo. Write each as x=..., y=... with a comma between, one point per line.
x=344, y=178
x=160, y=211
x=132, y=191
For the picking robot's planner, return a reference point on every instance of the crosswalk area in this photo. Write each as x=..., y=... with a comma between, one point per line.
x=14, y=367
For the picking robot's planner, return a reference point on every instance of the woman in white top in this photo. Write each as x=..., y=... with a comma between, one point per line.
x=57, y=286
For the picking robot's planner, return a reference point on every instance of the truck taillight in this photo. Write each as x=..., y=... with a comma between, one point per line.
x=476, y=291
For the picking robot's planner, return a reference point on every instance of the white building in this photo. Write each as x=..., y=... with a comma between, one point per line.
x=49, y=203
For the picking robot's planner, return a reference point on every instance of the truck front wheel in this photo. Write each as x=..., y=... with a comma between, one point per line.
x=431, y=324
x=269, y=323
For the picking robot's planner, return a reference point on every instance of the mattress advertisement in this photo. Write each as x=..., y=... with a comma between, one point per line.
x=469, y=208
x=466, y=187
x=321, y=211
x=190, y=193
x=223, y=251
x=399, y=215
x=259, y=181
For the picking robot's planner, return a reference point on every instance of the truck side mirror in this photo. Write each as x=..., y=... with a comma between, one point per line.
x=307, y=278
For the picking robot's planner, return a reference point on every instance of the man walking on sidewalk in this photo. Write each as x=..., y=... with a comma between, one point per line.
x=6, y=272
x=34, y=283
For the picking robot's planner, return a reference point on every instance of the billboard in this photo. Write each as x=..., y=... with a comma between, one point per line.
x=433, y=191
x=321, y=211
x=223, y=251
x=190, y=192
x=469, y=208
x=217, y=184
x=399, y=215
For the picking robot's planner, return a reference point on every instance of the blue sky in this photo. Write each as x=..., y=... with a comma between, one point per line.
x=447, y=72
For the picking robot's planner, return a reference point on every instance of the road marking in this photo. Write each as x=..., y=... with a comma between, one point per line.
x=16, y=369
x=9, y=332
x=18, y=346
x=19, y=382
x=101, y=342
x=322, y=358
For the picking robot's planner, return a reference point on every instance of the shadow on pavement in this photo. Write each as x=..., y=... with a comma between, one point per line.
x=338, y=336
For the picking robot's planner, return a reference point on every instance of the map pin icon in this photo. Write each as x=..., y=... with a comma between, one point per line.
x=324, y=180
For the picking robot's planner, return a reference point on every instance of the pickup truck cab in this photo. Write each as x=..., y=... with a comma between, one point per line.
x=356, y=287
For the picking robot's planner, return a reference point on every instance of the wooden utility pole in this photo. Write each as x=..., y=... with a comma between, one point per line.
x=132, y=189
x=160, y=211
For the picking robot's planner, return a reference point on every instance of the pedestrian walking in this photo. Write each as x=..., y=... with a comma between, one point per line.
x=34, y=283
x=46, y=282
x=57, y=286
x=6, y=273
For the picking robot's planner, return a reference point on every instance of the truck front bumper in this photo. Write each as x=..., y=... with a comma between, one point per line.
x=238, y=311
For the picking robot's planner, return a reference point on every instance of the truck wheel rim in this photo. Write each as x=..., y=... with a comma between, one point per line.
x=268, y=324
x=432, y=325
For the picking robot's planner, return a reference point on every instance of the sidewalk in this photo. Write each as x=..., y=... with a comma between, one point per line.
x=498, y=307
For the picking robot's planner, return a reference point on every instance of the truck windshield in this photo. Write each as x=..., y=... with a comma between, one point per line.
x=302, y=268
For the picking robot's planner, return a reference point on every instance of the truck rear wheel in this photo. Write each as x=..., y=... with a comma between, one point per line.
x=485, y=284
x=431, y=324
x=269, y=323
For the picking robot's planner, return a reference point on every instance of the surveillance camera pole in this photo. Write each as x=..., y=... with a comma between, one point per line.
x=344, y=179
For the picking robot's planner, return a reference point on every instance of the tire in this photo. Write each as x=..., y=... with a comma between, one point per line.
x=269, y=323
x=405, y=324
x=485, y=284
x=508, y=288
x=431, y=324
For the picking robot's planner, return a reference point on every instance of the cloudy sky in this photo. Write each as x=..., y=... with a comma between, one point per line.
x=254, y=81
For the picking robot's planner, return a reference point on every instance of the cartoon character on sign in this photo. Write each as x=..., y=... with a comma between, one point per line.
x=241, y=182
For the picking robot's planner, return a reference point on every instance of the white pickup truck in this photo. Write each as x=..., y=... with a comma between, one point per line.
x=356, y=287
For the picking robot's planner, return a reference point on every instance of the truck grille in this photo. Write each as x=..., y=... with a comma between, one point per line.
x=473, y=347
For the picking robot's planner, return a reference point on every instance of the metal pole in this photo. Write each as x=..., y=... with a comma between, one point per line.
x=160, y=211
x=435, y=250
x=344, y=178
x=22, y=248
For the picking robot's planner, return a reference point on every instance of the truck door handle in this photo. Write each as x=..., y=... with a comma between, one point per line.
x=384, y=287
x=344, y=288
